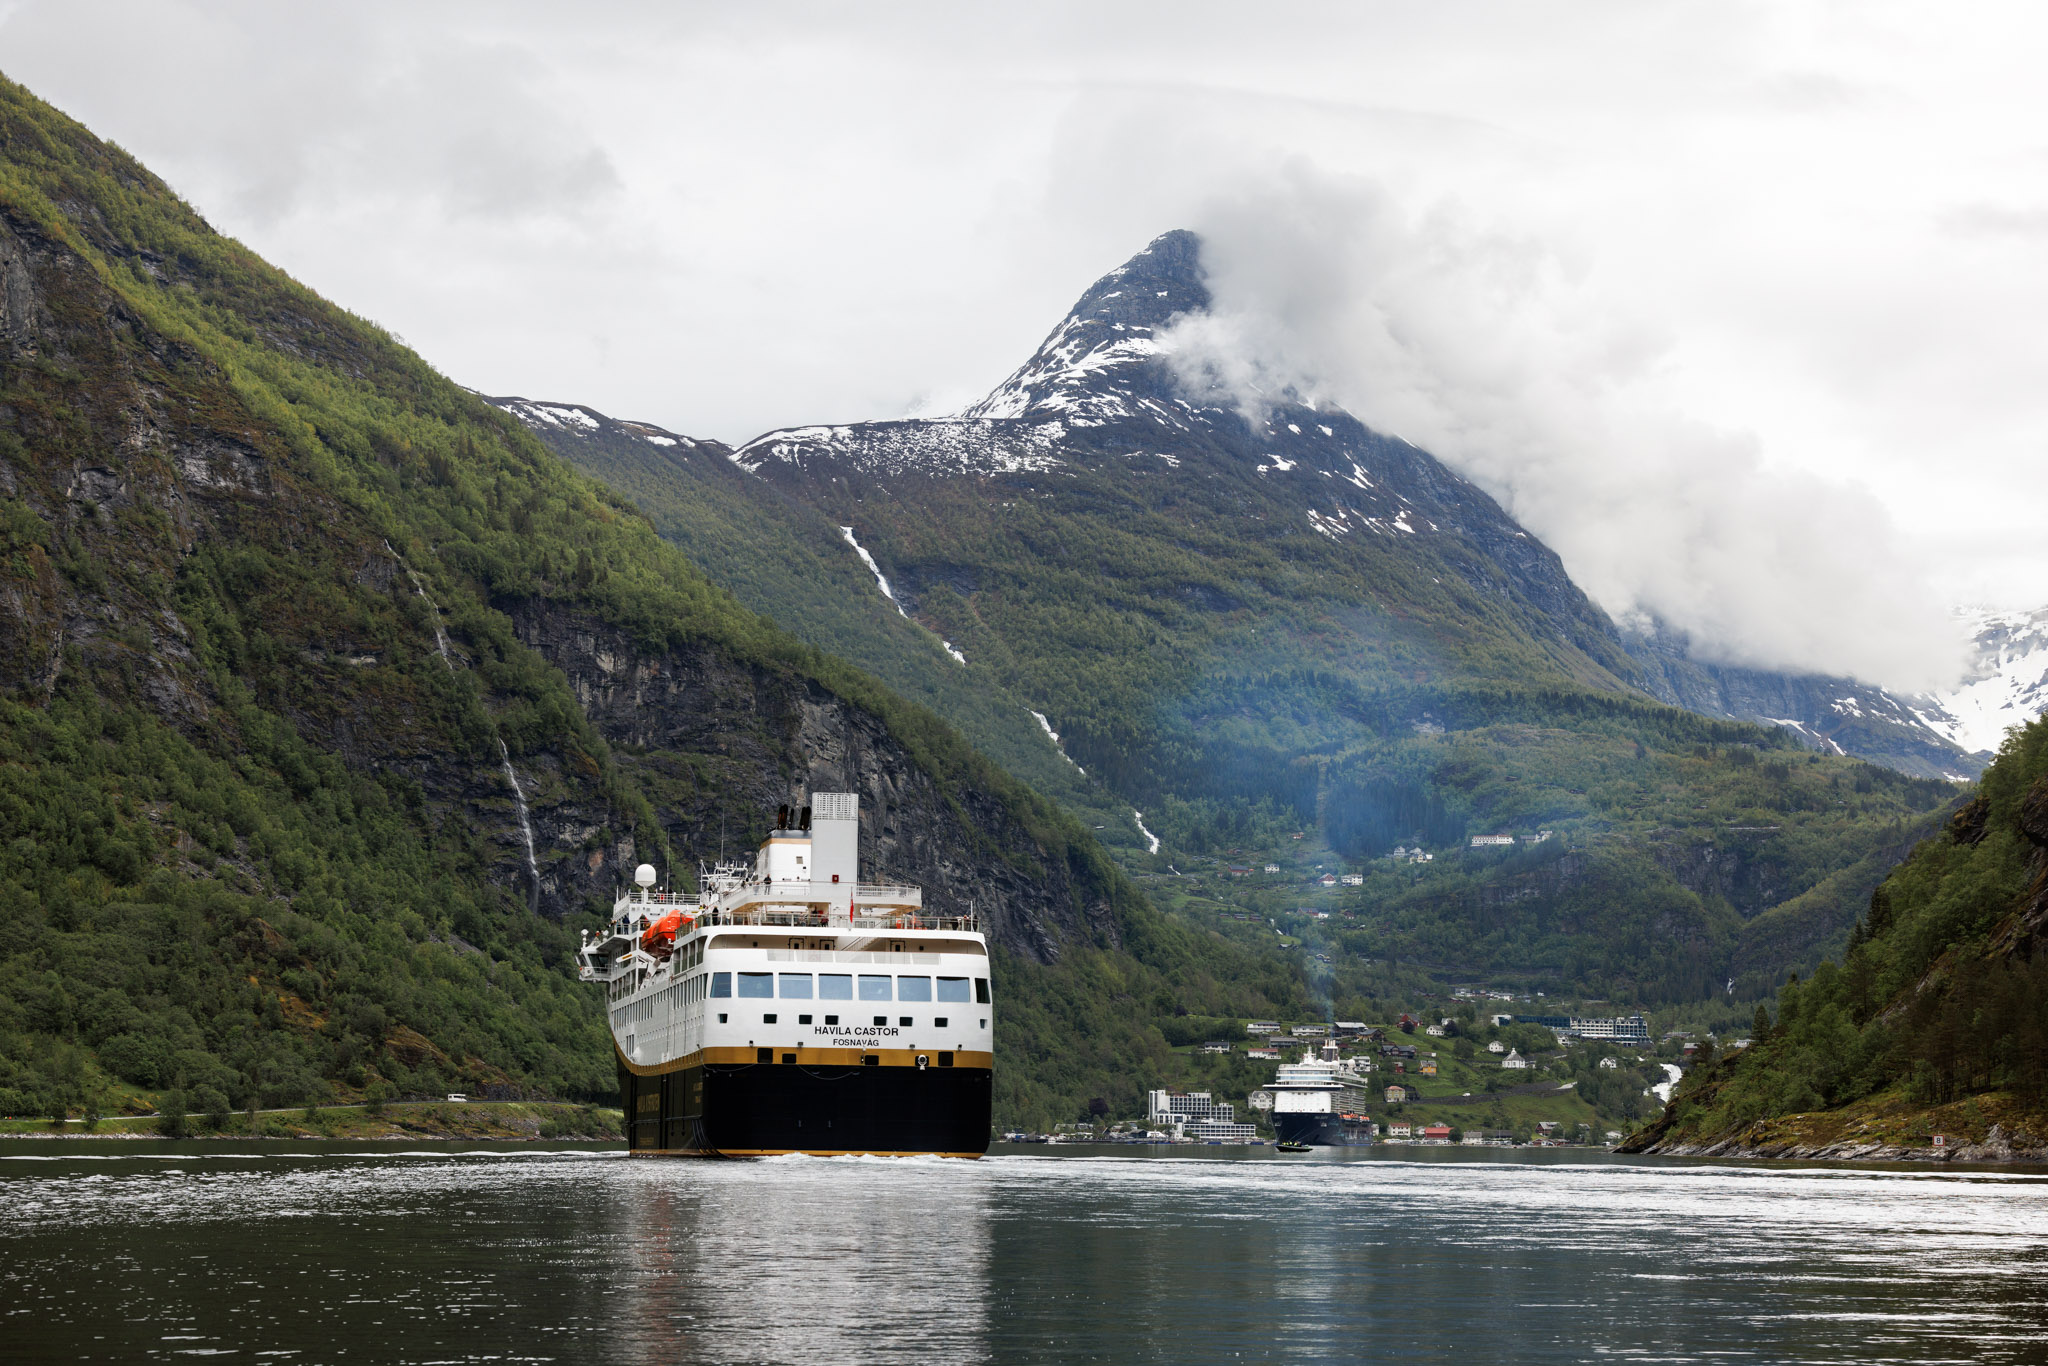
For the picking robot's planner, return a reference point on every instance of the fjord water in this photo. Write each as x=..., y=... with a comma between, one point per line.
x=129, y=1251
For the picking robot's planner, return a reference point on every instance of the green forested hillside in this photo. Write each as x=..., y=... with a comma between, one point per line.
x=333, y=704
x=1940, y=999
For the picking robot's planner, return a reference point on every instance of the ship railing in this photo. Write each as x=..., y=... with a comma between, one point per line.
x=666, y=901
x=917, y=922
x=821, y=894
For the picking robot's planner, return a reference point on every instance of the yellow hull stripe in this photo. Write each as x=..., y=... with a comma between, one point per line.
x=805, y=1057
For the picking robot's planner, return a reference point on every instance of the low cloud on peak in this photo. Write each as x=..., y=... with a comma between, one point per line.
x=1494, y=351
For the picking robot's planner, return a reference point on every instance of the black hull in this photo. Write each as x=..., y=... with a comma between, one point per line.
x=1319, y=1131
x=757, y=1109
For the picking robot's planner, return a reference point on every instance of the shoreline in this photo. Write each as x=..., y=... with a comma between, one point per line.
x=396, y=1121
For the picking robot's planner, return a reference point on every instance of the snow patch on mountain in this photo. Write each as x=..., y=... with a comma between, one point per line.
x=585, y=422
x=951, y=446
x=2006, y=686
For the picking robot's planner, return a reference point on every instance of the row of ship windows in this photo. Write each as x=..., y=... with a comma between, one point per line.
x=840, y=986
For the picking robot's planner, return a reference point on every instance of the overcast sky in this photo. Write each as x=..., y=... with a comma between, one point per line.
x=1665, y=277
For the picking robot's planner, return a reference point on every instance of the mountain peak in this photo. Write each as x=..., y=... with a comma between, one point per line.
x=1112, y=324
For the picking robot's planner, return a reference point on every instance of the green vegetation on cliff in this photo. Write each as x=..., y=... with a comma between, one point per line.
x=1942, y=995
x=287, y=616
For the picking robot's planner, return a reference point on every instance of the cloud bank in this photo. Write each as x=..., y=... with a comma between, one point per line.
x=1498, y=353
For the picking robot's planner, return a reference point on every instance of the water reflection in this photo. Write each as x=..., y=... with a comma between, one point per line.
x=137, y=1252
x=798, y=1259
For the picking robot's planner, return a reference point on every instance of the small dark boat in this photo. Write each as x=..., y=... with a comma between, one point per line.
x=1293, y=1147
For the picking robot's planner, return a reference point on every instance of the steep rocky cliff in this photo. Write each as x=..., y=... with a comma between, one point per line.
x=757, y=738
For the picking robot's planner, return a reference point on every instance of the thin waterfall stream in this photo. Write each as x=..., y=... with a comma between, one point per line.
x=525, y=827
x=504, y=755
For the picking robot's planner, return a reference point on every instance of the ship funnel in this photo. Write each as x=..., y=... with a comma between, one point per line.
x=835, y=837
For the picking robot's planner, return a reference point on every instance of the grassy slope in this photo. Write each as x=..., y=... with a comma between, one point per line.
x=1941, y=999
x=218, y=899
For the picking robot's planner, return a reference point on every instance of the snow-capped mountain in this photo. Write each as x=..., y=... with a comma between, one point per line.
x=1951, y=734
x=2007, y=684
x=1097, y=419
x=1100, y=412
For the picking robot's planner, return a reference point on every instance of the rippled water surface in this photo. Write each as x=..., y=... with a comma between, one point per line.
x=129, y=1251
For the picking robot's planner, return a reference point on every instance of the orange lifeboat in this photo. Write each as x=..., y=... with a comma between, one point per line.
x=660, y=937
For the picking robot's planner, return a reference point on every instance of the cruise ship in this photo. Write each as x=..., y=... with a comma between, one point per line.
x=788, y=1007
x=1312, y=1101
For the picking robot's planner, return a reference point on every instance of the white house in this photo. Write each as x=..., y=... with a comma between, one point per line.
x=1353, y=879
x=1493, y=841
x=1496, y=1047
x=1609, y=1063
x=1435, y=1031
x=1515, y=1061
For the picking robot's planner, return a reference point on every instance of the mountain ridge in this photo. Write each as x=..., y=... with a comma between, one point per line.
x=1242, y=626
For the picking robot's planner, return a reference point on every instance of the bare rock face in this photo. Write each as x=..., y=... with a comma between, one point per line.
x=756, y=739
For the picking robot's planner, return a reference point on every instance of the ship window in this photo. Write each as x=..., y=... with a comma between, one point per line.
x=764, y=1055
x=790, y=1057
x=881, y=1019
x=945, y=1059
x=904, y=1020
x=721, y=1017
x=835, y=986
x=870, y=1060
x=757, y=984
x=981, y=990
x=940, y=1022
x=874, y=988
x=721, y=984
x=952, y=988
x=913, y=988
x=769, y=1018
x=831, y=1019
x=796, y=986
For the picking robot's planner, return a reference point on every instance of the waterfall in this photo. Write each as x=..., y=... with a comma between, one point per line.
x=525, y=827
x=1150, y=838
x=419, y=588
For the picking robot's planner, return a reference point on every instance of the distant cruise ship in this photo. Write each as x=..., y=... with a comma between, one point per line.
x=1308, y=1101
x=789, y=1007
